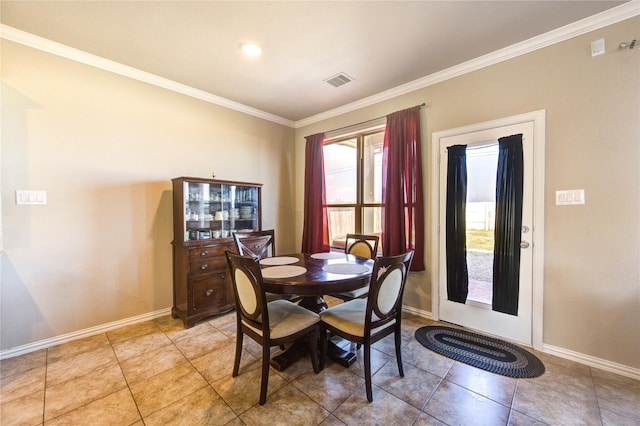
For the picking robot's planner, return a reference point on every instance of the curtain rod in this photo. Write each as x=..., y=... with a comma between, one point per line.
x=367, y=121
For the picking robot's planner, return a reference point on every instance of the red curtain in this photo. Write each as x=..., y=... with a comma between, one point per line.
x=403, y=211
x=315, y=231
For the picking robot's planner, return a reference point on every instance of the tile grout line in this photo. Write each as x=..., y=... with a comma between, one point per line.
x=125, y=378
x=442, y=379
x=595, y=394
x=44, y=391
x=210, y=385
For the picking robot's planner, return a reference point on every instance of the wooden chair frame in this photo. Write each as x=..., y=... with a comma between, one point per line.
x=379, y=314
x=358, y=244
x=252, y=319
x=363, y=246
x=255, y=243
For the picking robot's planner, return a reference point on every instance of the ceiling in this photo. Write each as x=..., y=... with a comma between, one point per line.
x=380, y=44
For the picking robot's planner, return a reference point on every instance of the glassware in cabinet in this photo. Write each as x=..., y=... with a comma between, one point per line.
x=215, y=209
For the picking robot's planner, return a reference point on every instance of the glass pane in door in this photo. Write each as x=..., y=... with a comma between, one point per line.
x=482, y=163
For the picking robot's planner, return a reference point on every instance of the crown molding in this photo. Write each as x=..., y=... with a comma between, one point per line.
x=600, y=20
x=608, y=17
x=62, y=50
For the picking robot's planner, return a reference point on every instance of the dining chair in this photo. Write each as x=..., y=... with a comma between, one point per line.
x=257, y=244
x=361, y=245
x=275, y=323
x=260, y=244
x=365, y=321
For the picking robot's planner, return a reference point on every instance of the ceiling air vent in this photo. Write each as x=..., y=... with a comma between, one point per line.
x=339, y=79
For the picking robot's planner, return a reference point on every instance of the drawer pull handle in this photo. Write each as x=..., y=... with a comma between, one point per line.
x=204, y=253
x=257, y=246
x=209, y=292
x=204, y=267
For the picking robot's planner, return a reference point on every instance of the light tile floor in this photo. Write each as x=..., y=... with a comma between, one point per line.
x=157, y=373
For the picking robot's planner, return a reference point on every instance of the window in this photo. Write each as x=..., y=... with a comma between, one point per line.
x=353, y=178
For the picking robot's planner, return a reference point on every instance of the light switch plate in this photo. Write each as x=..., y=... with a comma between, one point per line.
x=597, y=47
x=34, y=198
x=570, y=197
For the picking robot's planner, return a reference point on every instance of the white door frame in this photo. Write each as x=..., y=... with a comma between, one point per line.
x=538, y=118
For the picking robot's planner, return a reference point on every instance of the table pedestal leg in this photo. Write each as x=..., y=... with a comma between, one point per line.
x=339, y=355
x=294, y=352
x=290, y=355
x=313, y=303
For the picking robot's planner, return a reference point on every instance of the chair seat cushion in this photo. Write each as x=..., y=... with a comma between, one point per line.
x=276, y=296
x=349, y=317
x=355, y=294
x=286, y=318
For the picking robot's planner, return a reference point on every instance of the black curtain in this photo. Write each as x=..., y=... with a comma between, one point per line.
x=506, y=253
x=457, y=274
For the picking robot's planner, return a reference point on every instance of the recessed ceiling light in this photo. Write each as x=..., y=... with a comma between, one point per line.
x=250, y=49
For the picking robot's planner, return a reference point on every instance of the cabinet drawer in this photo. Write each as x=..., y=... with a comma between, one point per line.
x=208, y=265
x=209, y=291
x=208, y=252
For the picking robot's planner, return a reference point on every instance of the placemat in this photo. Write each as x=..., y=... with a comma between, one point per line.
x=345, y=268
x=283, y=271
x=278, y=260
x=328, y=255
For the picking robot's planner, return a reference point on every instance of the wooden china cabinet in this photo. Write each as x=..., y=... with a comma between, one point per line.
x=206, y=212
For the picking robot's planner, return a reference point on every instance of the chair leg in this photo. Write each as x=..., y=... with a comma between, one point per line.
x=398, y=338
x=313, y=348
x=264, y=382
x=236, y=362
x=367, y=371
x=323, y=354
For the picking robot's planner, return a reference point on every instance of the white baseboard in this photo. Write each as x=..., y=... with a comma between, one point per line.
x=57, y=340
x=602, y=364
x=418, y=312
x=591, y=361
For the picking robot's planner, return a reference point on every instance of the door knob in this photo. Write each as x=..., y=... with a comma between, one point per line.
x=524, y=244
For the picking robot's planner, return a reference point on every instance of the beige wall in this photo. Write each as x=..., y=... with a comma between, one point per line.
x=105, y=147
x=592, y=252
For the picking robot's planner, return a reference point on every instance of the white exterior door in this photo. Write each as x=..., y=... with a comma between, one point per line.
x=519, y=328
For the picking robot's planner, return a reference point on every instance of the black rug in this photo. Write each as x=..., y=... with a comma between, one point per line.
x=487, y=353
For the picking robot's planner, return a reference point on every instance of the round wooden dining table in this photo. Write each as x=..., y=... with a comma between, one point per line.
x=311, y=276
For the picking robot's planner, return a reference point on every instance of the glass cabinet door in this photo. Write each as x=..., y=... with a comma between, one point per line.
x=216, y=210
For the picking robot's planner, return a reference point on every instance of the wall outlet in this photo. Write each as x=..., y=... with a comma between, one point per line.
x=571, y=197
x=34, y=198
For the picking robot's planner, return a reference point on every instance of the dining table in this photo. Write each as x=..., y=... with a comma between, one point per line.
x=313, y=276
